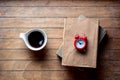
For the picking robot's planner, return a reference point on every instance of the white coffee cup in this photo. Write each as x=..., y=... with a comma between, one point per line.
x=25, y=36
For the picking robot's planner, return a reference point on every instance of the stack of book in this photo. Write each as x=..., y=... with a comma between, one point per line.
x=90, y=28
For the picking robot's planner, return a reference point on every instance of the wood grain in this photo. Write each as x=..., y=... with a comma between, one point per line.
x=58, y=33
x=109, y=22
x=113, y=55
x=112, y=44
x=58, y=75
x=108, y=75
x=55, y=75
x=18, y=16
x=14, y=33
x=46, y=54
x=31, y=22
x=32, y=65
x=113, y=33
x=50, y=22
x=19, y=44
x=57, y=3
x=44, y=65
x=59, y=12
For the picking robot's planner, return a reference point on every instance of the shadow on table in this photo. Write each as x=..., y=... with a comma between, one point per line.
x=39, y=55
x=89, y=73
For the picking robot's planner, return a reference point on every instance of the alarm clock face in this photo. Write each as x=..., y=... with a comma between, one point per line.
x=80, y=43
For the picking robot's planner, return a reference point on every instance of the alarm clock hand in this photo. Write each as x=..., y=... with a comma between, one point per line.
x=79, y=42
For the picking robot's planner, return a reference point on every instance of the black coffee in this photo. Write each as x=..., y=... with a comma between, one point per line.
x=36, y=39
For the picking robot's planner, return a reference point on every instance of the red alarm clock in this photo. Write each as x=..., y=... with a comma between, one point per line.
x=80, y=42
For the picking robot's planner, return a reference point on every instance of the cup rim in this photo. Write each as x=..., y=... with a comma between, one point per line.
x=44, y=35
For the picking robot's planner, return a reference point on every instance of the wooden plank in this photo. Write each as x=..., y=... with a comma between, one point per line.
x=14, y=33
x=32, y=65
x=110, y=22
x=53, y=75
x=59, y=75
x=31, y=22
x=109, y=55
x=59, y=11
x=44, y=65
x=112, y=44
x=19, y=44
x=106, y=22
x=35, y=75
x=113, y=33
x=53, y=44
x=56, y=3
x=108, y=75
x=108, y=66
x=50, y=22
x=51, y=33
x=51, y=54
x=27, y=55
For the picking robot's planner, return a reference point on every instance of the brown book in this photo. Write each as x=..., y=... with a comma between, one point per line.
x=72, y=57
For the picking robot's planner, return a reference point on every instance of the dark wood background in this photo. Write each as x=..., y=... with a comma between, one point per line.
x=18, y=63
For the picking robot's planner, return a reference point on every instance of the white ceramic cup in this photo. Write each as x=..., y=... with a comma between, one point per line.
x=25, y=36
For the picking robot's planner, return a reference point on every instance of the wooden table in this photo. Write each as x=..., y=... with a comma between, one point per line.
x=19, y=63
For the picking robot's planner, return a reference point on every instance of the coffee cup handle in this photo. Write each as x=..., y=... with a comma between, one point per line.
x=22, y=35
